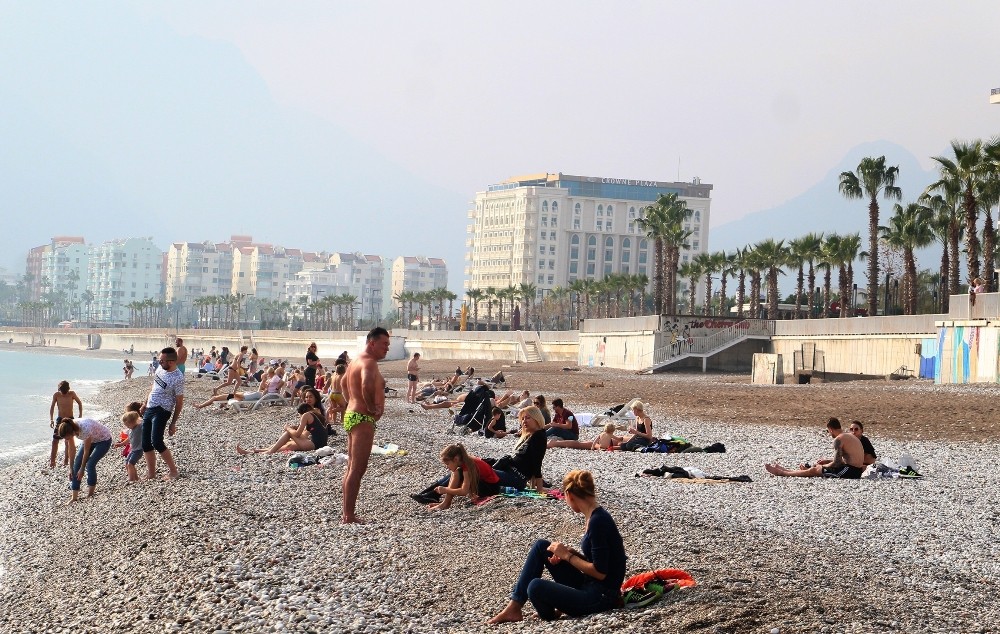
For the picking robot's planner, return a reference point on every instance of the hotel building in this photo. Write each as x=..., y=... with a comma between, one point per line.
x=418, y=274
x=553, y=229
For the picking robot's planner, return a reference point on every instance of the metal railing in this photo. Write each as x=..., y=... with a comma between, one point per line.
x=710, y=343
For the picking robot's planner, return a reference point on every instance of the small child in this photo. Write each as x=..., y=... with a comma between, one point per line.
x=607, y=439
x=133, y=423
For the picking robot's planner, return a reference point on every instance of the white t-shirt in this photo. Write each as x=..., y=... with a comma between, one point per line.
x=167, y=386
x=92, y=430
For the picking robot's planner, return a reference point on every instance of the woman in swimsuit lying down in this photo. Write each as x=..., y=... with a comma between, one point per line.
x=606, y=440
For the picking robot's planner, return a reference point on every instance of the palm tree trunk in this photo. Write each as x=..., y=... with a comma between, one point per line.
x=872, y=258
x=971, y=239
x=741, y=295
x=798, y=292
x=989, y=250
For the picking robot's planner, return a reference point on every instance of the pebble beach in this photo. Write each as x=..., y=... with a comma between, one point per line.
x=246, y=544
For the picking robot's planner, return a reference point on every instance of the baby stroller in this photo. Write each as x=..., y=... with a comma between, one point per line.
x=475, y=411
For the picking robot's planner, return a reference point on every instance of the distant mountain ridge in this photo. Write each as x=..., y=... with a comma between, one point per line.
x=822, y=209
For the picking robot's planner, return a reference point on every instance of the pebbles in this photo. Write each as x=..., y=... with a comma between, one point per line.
x=248, y=545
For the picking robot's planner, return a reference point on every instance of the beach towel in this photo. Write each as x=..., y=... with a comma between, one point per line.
x=530, y=494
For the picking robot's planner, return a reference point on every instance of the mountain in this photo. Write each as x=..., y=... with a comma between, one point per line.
x=822, y=208
x=115, y=125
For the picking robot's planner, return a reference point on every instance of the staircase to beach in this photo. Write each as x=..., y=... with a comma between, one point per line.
x=705, y=347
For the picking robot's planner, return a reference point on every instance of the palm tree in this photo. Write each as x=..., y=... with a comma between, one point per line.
x=451, y=297
x=653, y=221
x=740, y=262
x=965, y=173
x=706, y=264
x=870, y=180
x=850, y=246
x=88, y=298
x=692, y=272
x=772, y=256
x=475, y=296
x=947, y=225
x=491, y=296
x=829, y=257
x=527, y=291
x=663, y=222
x=909, y=228
x=798, y=253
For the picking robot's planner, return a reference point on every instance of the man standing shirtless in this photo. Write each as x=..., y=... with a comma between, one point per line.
x=182, y=354
x=364, y=389
x=63, y=399
x=848, y=459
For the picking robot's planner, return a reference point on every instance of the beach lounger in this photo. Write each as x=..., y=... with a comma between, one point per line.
x=623, y=416
x=268, y=399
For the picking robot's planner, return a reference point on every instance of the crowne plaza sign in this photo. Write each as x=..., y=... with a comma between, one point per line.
x=626, y=181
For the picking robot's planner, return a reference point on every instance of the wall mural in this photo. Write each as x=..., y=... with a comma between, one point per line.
x=967, y=354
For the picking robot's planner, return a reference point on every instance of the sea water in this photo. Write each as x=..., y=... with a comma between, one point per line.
x=27, y=382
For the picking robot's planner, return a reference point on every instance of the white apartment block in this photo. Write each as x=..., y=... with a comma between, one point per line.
x=198, y=269
x=553, y=229
x=353, y=274
x=65, y=273
x=121, y=272
x=417, y=274
x=364, y=274
x=262, y=270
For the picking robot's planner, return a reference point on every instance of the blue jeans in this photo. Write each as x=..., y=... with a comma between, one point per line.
x=154, y=422
x=97, y=451
x=565, y=434
x=570, y=591
x=510, y=479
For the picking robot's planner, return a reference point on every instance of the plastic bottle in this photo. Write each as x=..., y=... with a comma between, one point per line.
x=508, y=490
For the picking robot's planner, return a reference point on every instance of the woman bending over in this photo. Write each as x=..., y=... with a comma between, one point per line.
x=586, y=581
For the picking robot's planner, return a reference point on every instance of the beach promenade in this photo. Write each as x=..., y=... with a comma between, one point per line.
x=247, y=544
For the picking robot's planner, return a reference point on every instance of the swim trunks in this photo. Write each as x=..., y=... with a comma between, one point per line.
x=844, y=472
x=181, y=367
x=337, y=397
x=411, y=377
x=353, y=419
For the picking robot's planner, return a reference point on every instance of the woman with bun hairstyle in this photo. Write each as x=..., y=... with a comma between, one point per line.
x=583, y=582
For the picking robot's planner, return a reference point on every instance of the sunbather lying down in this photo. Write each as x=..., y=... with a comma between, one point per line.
x=606, y=440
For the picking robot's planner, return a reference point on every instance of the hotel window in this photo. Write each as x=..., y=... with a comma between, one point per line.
x=611, y=211
x=555, y=221
x=626, y=250
x=545, y=206
x=552, y=235
x=555, y=207
x=541, y=279
x=600, y=210
x=697, y=230
x=642, y=251
x=608, y=227
x=552, y=249
x=541, y=250
x=552, y=265
x=590, y=269
x=552, y=279
x=574, y=248
x=545, y=221
x=694, y=245
x=576, y=223
x=573, y=268
x=591, y=249
x=631, y=213
x=697, y=215
x=684, y=258
x=600, y=225
x=631, y=227
x=609, y=250
x=576, y=209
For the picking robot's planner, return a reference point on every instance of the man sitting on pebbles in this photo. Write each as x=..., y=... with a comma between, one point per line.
x=847, y=463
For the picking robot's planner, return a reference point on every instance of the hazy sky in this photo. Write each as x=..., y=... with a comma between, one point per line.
x=760, y=99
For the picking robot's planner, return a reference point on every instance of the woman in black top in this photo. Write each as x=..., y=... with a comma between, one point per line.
x=640, y=434
x=583, y=582
x=311, y=432
x=524, y=467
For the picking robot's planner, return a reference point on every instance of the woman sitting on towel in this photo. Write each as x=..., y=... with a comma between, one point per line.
x=310, y=434
x=470, y=477
x=640, y=434
x=583, y=582
x=524, y=467
x=604, y=441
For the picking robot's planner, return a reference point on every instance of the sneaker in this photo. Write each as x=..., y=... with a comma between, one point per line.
x=909, y=472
